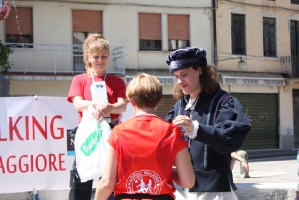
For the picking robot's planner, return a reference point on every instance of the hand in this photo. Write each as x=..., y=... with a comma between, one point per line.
x=102, y=110
x=184, y=122
x=245, y=167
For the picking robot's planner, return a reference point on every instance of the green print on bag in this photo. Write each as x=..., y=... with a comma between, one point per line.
x=92, y=141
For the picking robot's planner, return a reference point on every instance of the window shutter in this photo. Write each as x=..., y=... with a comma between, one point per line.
x=297, y=39
x=87, y=21
x=265, y=37
x=295, y=47
x=149, y=26
x=24, y=19
x=272, y=30
x=269, y=37
x=178, y=27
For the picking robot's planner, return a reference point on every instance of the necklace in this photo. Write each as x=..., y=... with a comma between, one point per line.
x=191, y=103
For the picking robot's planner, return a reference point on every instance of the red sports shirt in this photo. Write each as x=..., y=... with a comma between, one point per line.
x=116, y=88
x=145, y=147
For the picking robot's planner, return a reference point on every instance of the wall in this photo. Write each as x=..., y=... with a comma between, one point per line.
x=52, y=24
x=255, y=11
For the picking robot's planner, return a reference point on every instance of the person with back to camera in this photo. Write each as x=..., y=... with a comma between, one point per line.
x=96, y=57
x=213, y=121
x=143, y=150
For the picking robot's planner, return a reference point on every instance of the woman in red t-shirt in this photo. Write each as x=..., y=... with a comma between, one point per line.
x=109, y=101
x=143, y=150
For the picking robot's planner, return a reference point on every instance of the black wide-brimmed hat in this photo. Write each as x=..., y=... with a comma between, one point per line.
x=184, y=58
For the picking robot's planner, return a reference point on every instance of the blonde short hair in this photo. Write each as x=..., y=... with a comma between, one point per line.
x=145, y=91
x=94, y=42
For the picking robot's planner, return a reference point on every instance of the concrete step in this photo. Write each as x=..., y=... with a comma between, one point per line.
x=271, y=153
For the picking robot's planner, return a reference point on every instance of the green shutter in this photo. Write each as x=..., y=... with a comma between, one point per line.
x=167, y=102
x=262, y=111
x=296, y=116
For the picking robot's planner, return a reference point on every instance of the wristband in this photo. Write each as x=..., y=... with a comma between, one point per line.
x=244, y=161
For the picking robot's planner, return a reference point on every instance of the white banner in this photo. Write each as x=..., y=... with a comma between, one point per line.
x=36, y=150
x=33, y=143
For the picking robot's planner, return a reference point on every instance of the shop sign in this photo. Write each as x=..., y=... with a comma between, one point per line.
x=254, y=81
x=164, y=80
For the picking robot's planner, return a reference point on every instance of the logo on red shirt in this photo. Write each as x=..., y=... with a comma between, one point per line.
x=144, y=181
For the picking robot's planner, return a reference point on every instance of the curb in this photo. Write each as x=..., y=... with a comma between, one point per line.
x=265, y=193
x=256, y=154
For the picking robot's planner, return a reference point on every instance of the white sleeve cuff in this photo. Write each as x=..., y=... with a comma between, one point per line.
x=193, y=134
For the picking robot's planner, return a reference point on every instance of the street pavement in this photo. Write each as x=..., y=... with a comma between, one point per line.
x=270, y=178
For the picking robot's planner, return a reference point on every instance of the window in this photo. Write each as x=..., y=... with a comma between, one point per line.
x=81, y=29
x=19, y=30
x=269, y=37
x=295, y=1
x=150, y=31
x=150, y=45
x=178, y=32
x=295, y=47
x=238, y=34
x=177, y=44
x=14, y=38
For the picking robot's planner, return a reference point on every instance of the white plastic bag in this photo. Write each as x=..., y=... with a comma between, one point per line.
x=90, y=146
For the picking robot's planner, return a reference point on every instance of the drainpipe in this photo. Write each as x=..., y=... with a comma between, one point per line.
x=215, y=34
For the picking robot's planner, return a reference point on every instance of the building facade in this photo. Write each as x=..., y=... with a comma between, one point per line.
x=257, y=59
x=47, y=39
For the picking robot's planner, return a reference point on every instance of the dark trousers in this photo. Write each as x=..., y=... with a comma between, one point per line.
x=80, y=191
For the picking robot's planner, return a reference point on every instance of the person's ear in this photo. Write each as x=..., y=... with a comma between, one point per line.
x=159, y=103
x=88, y=58
x=199, y=69
x=131, y=101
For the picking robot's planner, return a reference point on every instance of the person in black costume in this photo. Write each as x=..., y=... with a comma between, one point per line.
x=212, y=119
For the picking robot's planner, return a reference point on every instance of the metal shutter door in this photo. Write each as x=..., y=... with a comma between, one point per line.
x=167, y=102
x=296, y=116
x=262, y=111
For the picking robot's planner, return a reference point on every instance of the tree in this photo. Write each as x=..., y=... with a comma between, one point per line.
x=4, y=63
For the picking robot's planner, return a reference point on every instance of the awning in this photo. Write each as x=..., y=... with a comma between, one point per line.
x=255, y=79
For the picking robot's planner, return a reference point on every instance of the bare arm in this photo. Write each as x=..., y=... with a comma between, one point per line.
x=107, y=183
x=120, y=106
x=183, y=173
x=237, y=157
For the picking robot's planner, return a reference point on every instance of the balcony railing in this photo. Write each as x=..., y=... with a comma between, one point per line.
x=58, y=59
x=290, y=66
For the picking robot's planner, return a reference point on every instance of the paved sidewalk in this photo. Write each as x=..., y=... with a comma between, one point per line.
x=273, y=176
x=270, y=178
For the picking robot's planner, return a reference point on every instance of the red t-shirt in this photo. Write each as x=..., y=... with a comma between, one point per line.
x=145, y=147
x=116, y=88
